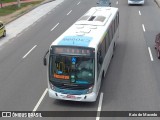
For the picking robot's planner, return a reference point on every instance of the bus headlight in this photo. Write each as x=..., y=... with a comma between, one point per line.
x=52, y=86
x=90, y=89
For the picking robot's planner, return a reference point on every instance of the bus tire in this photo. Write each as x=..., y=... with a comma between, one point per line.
x=4, y=33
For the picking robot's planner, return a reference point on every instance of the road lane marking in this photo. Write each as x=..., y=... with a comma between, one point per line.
x=78, y=3
x=140, y=12
x=40, y=100
x=150, y=53
x=29, y=51
x=54, y=26
x=143, y=27
x=117, y=2
x=99, y=107
x=69, y=12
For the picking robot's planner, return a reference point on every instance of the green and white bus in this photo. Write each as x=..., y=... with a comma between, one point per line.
x=79, y=58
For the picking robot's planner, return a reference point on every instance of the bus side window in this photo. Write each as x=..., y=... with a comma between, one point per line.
x=98, y=61
x=117, y=21
x=107, y=42
x=110, y=35
x=113, y=30
x=103, y=48
x=118, y=18
x=115, y=24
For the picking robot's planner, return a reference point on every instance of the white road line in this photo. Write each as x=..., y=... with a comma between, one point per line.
x=78, y=3
x=139, y=12
x=29, y=51
x=99, y=107
x=143, y=27
x=54, y=27
x=150, y=53
x=69, y=12
x=117, y=2
x=40, y=100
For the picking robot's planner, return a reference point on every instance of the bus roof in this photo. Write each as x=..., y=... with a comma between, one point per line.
x=89, y=30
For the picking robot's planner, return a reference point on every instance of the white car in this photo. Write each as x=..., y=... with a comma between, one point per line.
x=139, y=2
x=104, y=3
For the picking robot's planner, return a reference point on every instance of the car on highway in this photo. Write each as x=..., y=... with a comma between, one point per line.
x=104, y=3
x=138, y=2
x=2, y=29
x=157, y=45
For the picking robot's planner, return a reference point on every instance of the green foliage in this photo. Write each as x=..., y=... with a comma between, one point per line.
x=7, y=1
x=12, y=8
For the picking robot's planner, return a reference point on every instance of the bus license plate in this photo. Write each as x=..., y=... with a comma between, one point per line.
x=71, y=96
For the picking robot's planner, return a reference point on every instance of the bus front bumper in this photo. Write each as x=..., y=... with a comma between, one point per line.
x=85, y=98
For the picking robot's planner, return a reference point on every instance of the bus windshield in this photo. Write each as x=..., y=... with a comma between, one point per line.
x=71, y=69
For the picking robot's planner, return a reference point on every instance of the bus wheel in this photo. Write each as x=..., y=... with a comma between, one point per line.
x=4, y=33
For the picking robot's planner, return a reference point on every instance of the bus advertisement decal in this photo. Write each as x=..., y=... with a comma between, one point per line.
x=76, y=40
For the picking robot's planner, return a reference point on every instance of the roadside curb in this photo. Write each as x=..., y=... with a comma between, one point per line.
x=46, y=1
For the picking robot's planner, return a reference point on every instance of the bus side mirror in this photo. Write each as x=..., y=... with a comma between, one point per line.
x=97, y=2
x=44, y=61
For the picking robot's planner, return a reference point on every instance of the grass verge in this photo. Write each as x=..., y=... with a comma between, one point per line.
x=11, y=9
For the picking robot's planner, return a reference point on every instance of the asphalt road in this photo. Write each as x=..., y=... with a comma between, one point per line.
x=131, y=83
